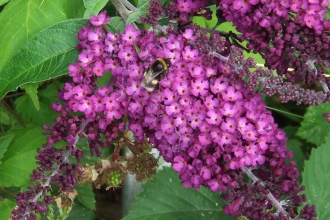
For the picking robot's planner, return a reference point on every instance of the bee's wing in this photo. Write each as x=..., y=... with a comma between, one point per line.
x=150, y=75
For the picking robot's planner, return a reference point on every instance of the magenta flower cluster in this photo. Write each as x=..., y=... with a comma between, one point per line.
x=204, y=123
x=268, y=14
x=199, y=120
x=289, y=34
x=54, y=166
x=201, y=117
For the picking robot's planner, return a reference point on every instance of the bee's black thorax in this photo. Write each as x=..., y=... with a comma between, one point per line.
x=154, y=73
x=160, y=65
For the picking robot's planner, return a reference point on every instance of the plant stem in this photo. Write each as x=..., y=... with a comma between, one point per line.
x=285, y=112
x=270, y=196
x=56, y=170
x=13, y=113
x=129, y=5
x=122, y=10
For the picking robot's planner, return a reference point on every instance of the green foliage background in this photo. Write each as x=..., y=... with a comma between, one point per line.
x=38, y=39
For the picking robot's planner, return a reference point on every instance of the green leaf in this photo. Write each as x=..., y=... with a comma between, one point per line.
x=116, y=24
x=93, y=7
x=88, y=159
x=165, y=2
x=29, y=113
x=4, y=143
x=32, y=90
x=86, y=195
x=45, y=56
x=6, y=206
x=2, y=2
x=163, y=21
x=146, y=3
x=143, y=4
x=19, y=160
x=80, y=212
x=290, y=131
x=201, y=21
x=45, y=115
x=135, y=16
x=165, y=198
x=21, y=19
x=8, y=193
x=103, y=80
x=53, y=212
x=214, y=20
x=4, y=116
x=296, y=146
x=314, y=128
x=50, y=93
x=142, y=10
x=316, y=180
x=74, y=9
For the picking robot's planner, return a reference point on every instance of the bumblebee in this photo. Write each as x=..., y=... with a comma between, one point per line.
x=154, y=73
